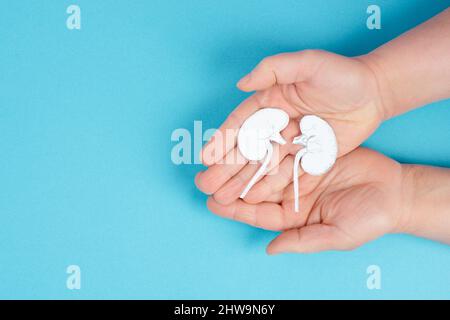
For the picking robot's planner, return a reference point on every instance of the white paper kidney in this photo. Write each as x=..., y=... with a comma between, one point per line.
x=256, y=136
x=319, y=152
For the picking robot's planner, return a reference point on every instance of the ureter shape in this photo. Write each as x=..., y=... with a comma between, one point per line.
x=260, y=171
x=297, y=159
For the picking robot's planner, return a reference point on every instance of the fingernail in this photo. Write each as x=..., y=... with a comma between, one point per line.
x=197, y=177
x=271, y=252
x=244, y=80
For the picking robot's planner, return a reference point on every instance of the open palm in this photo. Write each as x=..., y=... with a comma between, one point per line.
x=357, y=201
x=341, y=90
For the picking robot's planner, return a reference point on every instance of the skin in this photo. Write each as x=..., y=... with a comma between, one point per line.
x=341, y=210
x=350, y=205
x=343, y=91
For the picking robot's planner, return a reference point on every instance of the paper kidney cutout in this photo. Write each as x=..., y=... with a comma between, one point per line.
x=256, y=136
x=319, y=152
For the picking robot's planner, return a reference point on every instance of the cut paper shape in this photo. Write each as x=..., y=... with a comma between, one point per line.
x=256, y=136
x=319, y=152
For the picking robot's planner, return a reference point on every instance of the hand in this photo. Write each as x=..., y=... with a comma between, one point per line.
x=360, y=199
x=341, y=90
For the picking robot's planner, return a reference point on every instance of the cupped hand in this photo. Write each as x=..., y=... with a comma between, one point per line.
x=341, y=90
x=359, y=200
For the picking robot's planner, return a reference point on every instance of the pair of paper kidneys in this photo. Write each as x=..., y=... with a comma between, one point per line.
x=264, y=127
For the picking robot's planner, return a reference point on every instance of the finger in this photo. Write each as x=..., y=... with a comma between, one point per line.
x=210, y=180
x=265, y=215
x=224, y=139
x=274, y=197
x=313, y=238
x=233, y=188
x=276, y=181
x=285, y=68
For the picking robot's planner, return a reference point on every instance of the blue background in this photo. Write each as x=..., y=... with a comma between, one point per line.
x=86, y=177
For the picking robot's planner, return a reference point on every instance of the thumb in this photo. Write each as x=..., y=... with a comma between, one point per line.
x=285, y=68
x=313, y=238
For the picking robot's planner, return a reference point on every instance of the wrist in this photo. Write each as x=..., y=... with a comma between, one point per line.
x=387, y=102
x=408, y=221
x=426, y=202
